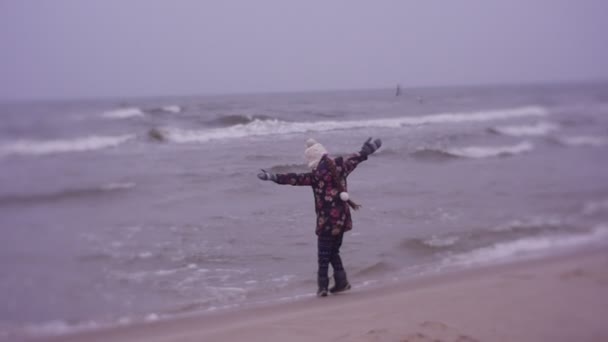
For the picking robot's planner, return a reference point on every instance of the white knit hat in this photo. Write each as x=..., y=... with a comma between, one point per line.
x=314, y=152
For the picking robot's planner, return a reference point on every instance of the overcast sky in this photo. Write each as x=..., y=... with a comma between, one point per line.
x=80, y=48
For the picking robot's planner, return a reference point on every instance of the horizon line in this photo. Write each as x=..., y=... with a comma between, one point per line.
x=301, y=91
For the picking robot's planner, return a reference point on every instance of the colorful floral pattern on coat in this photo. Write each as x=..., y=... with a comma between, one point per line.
x=331, y=211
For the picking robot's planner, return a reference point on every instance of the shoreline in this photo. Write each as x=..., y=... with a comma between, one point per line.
x=463, y=303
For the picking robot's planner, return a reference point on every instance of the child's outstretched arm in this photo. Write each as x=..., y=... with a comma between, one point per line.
x=287, y=178
x=368, y=148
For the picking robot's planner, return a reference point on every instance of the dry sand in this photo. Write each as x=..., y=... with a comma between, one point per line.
x=562, y=298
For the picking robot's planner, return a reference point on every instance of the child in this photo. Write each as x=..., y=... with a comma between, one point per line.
x=328, y=182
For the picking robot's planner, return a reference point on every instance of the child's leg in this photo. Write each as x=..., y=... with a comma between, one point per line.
x=325, y=247
x=341, y=282
x=335, y=260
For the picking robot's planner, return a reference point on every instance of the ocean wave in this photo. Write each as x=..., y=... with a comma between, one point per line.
x=260, y=157
x=272, y=126
x=65, y=194
x=432, y=244
x=58, y=327
x=528, y=246
x=478, y=116
x=232, y=120
x=379, y=267
x=33, y=147
x=430, y=154
x=136, y=112
x=388, y=152
x=491, y=151
x=439, y=154
x=532, y=225
x=576, y=121
x=595, y=207
x=469, y=240
x=538, y=129
x=171, y=109
x=123, y=113
x=117, y=186
x=584, y=140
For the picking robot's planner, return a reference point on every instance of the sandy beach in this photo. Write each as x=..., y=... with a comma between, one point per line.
x=561, y=298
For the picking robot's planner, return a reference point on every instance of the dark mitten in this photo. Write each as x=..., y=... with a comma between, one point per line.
x=370, y=146
x=267, y=176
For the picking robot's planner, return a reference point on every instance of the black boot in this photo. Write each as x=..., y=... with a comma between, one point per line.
x=341, y=282
x=323, y=284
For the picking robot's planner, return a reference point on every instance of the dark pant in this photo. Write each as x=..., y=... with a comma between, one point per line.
x=329, y=253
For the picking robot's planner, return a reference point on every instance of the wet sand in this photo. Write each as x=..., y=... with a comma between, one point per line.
x=561, y=298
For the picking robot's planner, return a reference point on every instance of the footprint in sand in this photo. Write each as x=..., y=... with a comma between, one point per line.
x=579, y=273
x=520, y=276
x=437, y=332
x=464, y=338
x=436, y=326
x=379, y=335
x=575, y=273
x=419, y=337
x=430, y=331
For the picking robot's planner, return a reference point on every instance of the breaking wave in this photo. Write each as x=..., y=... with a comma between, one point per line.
x=56, y=328
x=123, y=113
x=34, y=147
x=232, y=120
x=136, y=112
x=66, y=194
x=258, y=126
x=528, y=246
x=491, y=151
x=429, y=154
x=538, y=129
x=465, y=241
x=595, y=207
x=172, y=109
x=475, y=152
x=584, y=140
x=432, y=244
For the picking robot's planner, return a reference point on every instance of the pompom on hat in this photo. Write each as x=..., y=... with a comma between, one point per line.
x=314, y=152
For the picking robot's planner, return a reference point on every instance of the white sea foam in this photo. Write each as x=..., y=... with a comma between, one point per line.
x=491, y=151
x=595, y=207
x=118, y=186
x=123, y=113
x=172, y=109
x=538, y=129
x=145, y=255
x=441, y=241
x=152, y=317
x=283, y=279
x=584, y=140
x=37, y=147
x=529, y=247
x=54, y=328
x=260, y=127
x=531, y=223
